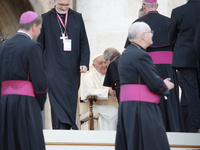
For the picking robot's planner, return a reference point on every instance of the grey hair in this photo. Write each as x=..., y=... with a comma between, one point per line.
x=136, y=30
x=27, y=26
x=110, y=53
x=141, y=13
x=150, y=5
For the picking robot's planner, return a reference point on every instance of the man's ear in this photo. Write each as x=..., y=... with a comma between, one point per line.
x=143, y=7
x=93, y=65
x=143, y=36
x=157, y=6
x=33, y=27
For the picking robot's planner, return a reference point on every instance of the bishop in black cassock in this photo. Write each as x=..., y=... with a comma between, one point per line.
x=140, y=125
x=23, y=90
x=161, y=53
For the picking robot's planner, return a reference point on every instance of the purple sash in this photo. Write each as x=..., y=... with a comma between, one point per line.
x=161, y=57
x=17, y=87
x=137, y=92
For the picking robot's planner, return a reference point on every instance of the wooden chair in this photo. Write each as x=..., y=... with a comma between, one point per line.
x=90, y=115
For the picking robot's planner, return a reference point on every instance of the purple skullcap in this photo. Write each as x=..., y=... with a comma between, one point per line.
x=28, y=17
x=151, y=1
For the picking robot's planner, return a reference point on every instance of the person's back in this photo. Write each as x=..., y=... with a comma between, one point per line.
x=183, y=25
x=159, y=25
x=197, y=47
x=140, y=123
x=182, y=29
x=134, y=55
x=23, y=88
x=161, y=54
x=18, y=56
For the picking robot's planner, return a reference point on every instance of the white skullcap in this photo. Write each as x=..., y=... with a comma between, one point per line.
x=96, y=56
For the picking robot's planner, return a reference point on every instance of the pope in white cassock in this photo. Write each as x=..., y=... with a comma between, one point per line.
x=106, y=105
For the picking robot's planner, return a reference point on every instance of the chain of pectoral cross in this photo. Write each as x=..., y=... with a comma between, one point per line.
x=63, y=37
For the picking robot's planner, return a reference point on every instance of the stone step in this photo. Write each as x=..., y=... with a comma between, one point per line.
x=105, y=140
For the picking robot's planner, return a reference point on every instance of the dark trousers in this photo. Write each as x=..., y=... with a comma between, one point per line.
x=184, y=106
x=190, y=88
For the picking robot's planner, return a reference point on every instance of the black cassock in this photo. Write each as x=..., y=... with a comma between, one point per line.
x=20, y=115
x=112, y=77
x=140, y=125
x=197, y=48
x=170, y=108
x=63, y=67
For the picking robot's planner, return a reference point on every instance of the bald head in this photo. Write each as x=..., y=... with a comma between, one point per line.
x=136, y=30
x=141, y=34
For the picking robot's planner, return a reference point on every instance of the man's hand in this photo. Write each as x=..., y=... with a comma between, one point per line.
x=168, y=83
x=111, y=92
x=83, y=69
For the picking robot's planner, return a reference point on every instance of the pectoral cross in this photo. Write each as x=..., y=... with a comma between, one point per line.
x=63, y=37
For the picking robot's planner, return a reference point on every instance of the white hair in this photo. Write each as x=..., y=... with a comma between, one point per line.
x=150, y=5
x=136, y=29
x=141, y=13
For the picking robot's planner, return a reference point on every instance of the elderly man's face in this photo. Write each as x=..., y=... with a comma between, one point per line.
x=100, y=65
x=62, y=6
x=149, y=35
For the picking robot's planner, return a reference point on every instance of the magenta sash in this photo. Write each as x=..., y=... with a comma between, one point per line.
x=17, y=87
x=137, y=92
x=161, y=57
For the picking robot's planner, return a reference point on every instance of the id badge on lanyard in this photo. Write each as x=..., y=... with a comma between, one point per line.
x=67, y=45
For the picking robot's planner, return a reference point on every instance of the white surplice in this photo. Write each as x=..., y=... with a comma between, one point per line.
x=92, y=84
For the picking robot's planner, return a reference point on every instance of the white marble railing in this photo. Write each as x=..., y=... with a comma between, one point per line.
x=104, y=140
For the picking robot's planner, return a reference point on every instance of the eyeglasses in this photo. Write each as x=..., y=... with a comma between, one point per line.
x=152, y=32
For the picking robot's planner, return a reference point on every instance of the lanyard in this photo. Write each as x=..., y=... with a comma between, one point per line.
x=64, y=25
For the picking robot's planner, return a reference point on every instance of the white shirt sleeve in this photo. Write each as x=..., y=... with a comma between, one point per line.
x=91, y=84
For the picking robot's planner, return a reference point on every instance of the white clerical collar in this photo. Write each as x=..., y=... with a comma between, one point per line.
x=20, y=31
